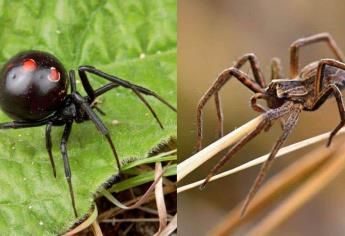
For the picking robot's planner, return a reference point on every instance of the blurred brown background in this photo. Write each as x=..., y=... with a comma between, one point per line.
x=211, y=35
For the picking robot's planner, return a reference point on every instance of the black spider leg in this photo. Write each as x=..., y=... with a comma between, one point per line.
x=110, y=86
x=91, y=93
x=85, y=105
x=119, y=82
x=100, y=91
x=49, y=146
x=138, y=90
x=99, y=110
x=88, y=87
x=68, y=174
x=99, y=124
x=24, y=124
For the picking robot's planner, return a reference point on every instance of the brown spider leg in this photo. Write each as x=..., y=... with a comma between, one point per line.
x=220, y=116
x=259, y=108
x=269, y=116
x=322, y=37
x=289, y=125
x=258, y=77
x=217, y=85
x=324, y=93
x=254, y=105
x=255, y=66
x=276, y=69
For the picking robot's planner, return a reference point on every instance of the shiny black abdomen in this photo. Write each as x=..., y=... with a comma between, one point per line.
x=33, y=85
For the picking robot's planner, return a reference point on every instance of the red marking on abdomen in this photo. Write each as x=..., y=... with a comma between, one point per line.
x=54, y=75
x=29, y=65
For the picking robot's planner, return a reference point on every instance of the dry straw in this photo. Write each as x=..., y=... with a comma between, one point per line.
x=193, y=162
x=310, y=173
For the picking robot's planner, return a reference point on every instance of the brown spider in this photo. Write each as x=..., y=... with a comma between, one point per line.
x=285, y=97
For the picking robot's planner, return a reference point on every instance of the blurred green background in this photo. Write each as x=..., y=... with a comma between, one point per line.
x=211, y=35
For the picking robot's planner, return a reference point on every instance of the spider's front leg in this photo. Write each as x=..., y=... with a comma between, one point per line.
x=214, y=89
x=116, y=82
x=258, y=77
x=259, y=108
x=85, y=105
x=293, y=110
x=323, y=93
x=98, y=123
x=269, y=116
x=322, y=37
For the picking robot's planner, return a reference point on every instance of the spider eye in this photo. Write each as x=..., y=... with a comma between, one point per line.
x=54, y=75
x=29, y=65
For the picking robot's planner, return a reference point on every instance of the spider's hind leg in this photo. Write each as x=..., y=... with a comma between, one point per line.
x=323, y=93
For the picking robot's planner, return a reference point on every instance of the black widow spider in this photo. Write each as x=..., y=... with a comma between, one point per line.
x=33, y=91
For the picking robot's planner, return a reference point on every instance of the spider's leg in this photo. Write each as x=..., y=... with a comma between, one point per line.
x=24, y=124
x=259, y=108
x=105, y=88
x=68, y=174
x=49, y=146
x=123, y=83
x=138, y=90
x=220, y=116
x=217, y=85
x=86, y=85
x=258, y=77
x=141, y=97
x=322, y=37
x=270, y=115
x=254, y=65
x=98, y=123
x=73, y=81
x=99, y=110
x=289, y=125
x=340, y=103
x=253, y=102
x=322, y=93
x=276, y=69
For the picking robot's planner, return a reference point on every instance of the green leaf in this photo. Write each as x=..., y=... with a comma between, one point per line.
x=141, y=179
x=166, y=156
x=135, y=40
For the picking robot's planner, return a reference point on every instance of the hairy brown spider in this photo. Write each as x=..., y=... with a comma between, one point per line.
x=285, y=97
